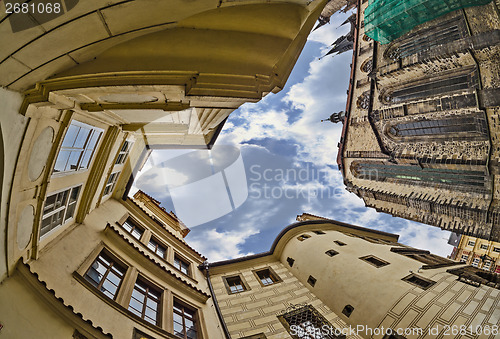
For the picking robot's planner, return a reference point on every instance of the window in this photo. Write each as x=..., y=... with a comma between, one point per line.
x=340, y=243
x=496, y=249
x=132, y=228
x=235, y=284
x=347, y=311
x=303, y=237
x=184, y=321
x=319, y=232
x=483, y=246
x=181, y=265
x=58, y=209
x=145, y=302
x=464, y=258
x=106, y=275
x=373, y=260
x=471, y=243
x=156, y=247
x=110, y=185
x=267, y=277
x=311, y=280
x=391, y=172
x=123, y=154
x=256, y=336
x=475, y=262
x=304, y=321
x=439, y=127
x=393, y=335
x=290, y=261
x=77, y=147
x=331, y=253
x=487, y=265
x=418, y=281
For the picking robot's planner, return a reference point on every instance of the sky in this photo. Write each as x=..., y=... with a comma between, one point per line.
x=274, y=160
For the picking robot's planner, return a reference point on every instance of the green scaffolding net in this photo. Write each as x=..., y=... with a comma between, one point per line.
x=386, y=20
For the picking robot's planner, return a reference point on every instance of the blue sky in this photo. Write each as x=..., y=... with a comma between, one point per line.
x=289, y=161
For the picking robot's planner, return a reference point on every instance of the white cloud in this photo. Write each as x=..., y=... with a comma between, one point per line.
x=217, y=246
x=425, y=237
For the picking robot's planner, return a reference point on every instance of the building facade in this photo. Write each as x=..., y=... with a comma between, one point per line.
x=478, y=253
x=420, y=134
x=332, y=279
x=87, y=93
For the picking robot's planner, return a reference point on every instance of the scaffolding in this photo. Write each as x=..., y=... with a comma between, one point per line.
x=386, y=20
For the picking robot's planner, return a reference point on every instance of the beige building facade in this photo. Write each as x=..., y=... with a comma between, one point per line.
x=420, y=133
x=336, y=279
x=87, y=94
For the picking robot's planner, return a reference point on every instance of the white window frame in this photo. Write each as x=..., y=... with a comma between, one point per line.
x=123, y=153
x=464, y=258
x=64, y=207
x=83, y=149
x=486, y=265
x=110, y=184
x=475, y=262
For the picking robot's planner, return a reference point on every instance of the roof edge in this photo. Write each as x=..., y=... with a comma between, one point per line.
x=293, y=226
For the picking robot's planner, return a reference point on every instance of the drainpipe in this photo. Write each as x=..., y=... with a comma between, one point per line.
x=205, y=267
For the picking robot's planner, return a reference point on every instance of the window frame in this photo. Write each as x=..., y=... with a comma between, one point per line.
x=272, y=275
x=62, y=208
x=158, y=244
x=312, y=281
x=195, y=318
x=149, y=286
x=244, y=284
x=413, y=275
x=83, y=150
x=122, y=155
x=136, y=224
x=111, y=182
x=318, y=322
x=116, y=262
x=331, y=253
x=371, y=256
x=181, y=259
x=303, y=237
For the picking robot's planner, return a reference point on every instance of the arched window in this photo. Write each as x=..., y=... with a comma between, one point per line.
x=393, y=172
x=451, y=125
x=417, y=41
x=457, y=80
x=367, y=65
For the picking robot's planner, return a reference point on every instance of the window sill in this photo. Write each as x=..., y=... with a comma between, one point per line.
x=121, y=309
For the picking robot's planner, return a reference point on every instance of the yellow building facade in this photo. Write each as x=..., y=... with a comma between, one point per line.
x=87, y=93
x=478, y=253
x=86, y=96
